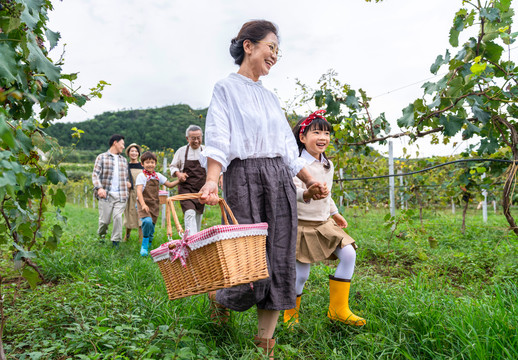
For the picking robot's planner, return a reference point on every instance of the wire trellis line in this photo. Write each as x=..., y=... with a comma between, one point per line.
x=427, y=169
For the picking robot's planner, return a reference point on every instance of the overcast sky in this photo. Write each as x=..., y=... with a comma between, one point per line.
x=162, y=52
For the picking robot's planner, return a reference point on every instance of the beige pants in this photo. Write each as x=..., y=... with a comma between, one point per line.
x=109, y=208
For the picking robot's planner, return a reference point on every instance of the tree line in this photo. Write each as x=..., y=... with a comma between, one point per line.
x=156, y=128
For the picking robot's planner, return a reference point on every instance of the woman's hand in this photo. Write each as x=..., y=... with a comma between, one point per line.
x=312, y=191
x=340, y=221
x=320, y=191
x=209, y=193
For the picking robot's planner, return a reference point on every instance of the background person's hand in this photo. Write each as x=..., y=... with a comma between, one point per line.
x=209, y=193
x=182, y=176
x=145, y=208
x=101, y=193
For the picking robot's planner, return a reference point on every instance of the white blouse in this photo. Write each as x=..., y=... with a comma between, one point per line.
x=244, y=121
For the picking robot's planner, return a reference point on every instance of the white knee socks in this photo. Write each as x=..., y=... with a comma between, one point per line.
x=347, y=257
x=344, y=269
x=302, y=276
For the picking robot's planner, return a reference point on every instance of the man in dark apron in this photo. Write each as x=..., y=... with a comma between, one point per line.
x=186, y=167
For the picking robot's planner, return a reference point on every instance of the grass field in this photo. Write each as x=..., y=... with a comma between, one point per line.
x=456, y=301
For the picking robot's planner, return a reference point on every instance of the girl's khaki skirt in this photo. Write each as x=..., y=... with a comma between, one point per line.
x=317, y=240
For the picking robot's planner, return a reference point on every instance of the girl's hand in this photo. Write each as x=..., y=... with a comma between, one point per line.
x=307, y=179
x=209, y=193
x=311, y=192
x=320, y=191
x=340, y=221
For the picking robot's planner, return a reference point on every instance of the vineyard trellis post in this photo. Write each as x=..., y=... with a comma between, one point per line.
x=401, y=192
x=452, y=206
x=484, y=202
x=341, y=171
x=163, y=206
x=391, y=180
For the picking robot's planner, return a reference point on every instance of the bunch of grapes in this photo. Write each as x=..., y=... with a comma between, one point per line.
x=10, y=8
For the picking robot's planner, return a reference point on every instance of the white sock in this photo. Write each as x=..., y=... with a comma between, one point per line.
x=303, y=270
x=347, y=257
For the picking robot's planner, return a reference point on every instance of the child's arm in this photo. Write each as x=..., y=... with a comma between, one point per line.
x=171, y=184
x=140, y=198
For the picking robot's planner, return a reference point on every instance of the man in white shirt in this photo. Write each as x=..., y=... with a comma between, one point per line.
x=186, y=167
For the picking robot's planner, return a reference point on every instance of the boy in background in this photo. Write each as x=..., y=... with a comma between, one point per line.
x=148, y=204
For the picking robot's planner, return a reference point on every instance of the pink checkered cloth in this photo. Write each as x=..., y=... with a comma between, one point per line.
x=205, y=237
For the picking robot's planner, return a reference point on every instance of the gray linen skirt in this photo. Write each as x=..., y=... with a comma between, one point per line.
x=262, y=190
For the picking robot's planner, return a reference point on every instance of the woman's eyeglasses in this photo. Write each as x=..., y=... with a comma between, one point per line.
x=274, y=48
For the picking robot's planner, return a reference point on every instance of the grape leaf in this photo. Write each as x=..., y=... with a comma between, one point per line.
x=490, y=13
x=480, y=114
x=408, y=119
x=40, y=62
x=452, y=124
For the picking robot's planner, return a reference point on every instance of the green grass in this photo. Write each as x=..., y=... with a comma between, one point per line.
x=457, y=301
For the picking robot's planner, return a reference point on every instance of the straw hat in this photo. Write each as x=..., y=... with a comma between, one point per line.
x=128, y=148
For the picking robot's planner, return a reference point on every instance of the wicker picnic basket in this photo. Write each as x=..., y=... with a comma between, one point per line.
x=218, y=257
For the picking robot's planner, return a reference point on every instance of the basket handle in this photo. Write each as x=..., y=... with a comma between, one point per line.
x=170, y=209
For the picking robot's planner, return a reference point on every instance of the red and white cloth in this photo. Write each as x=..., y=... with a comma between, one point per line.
x=203, y=238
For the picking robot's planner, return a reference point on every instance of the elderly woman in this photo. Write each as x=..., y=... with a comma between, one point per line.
x=248, y=137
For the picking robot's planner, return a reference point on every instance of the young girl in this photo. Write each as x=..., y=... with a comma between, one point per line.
x=320, y=237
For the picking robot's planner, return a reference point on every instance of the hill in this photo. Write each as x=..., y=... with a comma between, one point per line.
x=158, y=128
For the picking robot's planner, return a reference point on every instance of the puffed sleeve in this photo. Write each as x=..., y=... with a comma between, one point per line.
x=217, y=130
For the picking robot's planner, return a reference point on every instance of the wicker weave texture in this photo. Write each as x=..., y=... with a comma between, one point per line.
x=222, y=264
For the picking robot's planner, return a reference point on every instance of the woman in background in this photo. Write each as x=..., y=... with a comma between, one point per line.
x=131, y=219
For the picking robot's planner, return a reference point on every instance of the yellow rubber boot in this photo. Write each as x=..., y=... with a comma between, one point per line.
x=339, y=302
x=292, y=315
